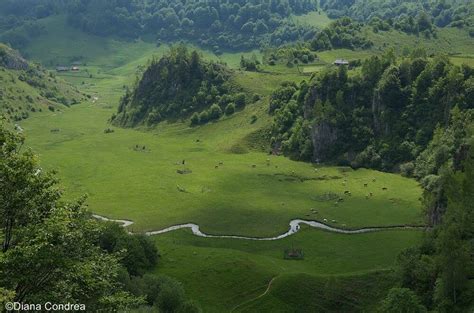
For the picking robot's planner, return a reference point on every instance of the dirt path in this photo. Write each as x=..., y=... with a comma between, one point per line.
x=256, y=298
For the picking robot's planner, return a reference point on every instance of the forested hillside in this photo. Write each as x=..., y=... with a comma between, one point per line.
x=27, y=88
x=439, y=272
x=379, y=117
x=408, y=16
x=177, y=85
x=219, y=24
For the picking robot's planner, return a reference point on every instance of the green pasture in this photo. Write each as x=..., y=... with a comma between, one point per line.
x=222, y=274
x=317, y=19
x=232, y=189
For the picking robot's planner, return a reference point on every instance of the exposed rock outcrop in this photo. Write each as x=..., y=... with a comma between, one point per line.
x=324, y=137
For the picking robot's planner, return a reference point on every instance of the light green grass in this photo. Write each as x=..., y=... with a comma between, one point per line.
x=233, y=199
x=317, y=19
x=463, y=59
x=449, y=40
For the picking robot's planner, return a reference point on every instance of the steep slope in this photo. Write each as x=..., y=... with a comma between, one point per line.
x=379, y=116
x=177, y=85
x=26, y=88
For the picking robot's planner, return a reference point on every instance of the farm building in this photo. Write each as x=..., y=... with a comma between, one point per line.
x=340, y=62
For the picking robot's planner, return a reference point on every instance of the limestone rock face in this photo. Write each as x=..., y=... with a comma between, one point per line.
x=324, y=137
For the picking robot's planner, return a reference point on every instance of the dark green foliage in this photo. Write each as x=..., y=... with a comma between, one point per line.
x=343, y=33
x=177, y=86
x=299, y=53
x=402, y=300
x=380, y=118
x=440, y=270
x=240, y=100
x=215, y=112
x=251, y=65
x=411, y=16
x=139, y=253
x=221, y=24
x=230, y=109
x=163, y=293
x=282, y=95
x=195, y=119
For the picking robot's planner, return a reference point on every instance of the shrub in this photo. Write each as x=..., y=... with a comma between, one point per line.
x=215, y=112
x=139, y=251
x=230, y=109
x=203, y=117
x=253, y=119
x=407, y=169
x=195, y=119
x=171, y=296
x=239, y=100
x=402, y=300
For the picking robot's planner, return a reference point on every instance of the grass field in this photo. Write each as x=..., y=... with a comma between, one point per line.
x=318, y=19
x=223, y=273
x=307, y=293
x=250, y=192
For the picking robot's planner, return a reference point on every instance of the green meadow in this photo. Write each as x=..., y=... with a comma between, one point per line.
x=223, y=273
x=232, y=189
x=232, y=186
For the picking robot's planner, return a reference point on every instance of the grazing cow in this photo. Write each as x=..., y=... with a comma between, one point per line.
x=384, y=188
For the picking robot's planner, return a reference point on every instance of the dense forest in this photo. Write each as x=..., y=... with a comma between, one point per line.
x=379, y=117
x=219, y=24
x=409, y=16
x=342, y=33
x=177, y=85
x=437, y=275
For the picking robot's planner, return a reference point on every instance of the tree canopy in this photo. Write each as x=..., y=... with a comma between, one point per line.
x=379, y=118
x=220, y=24
x=176, y=86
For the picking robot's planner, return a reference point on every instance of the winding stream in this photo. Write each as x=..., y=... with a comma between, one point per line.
x=295, y=226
